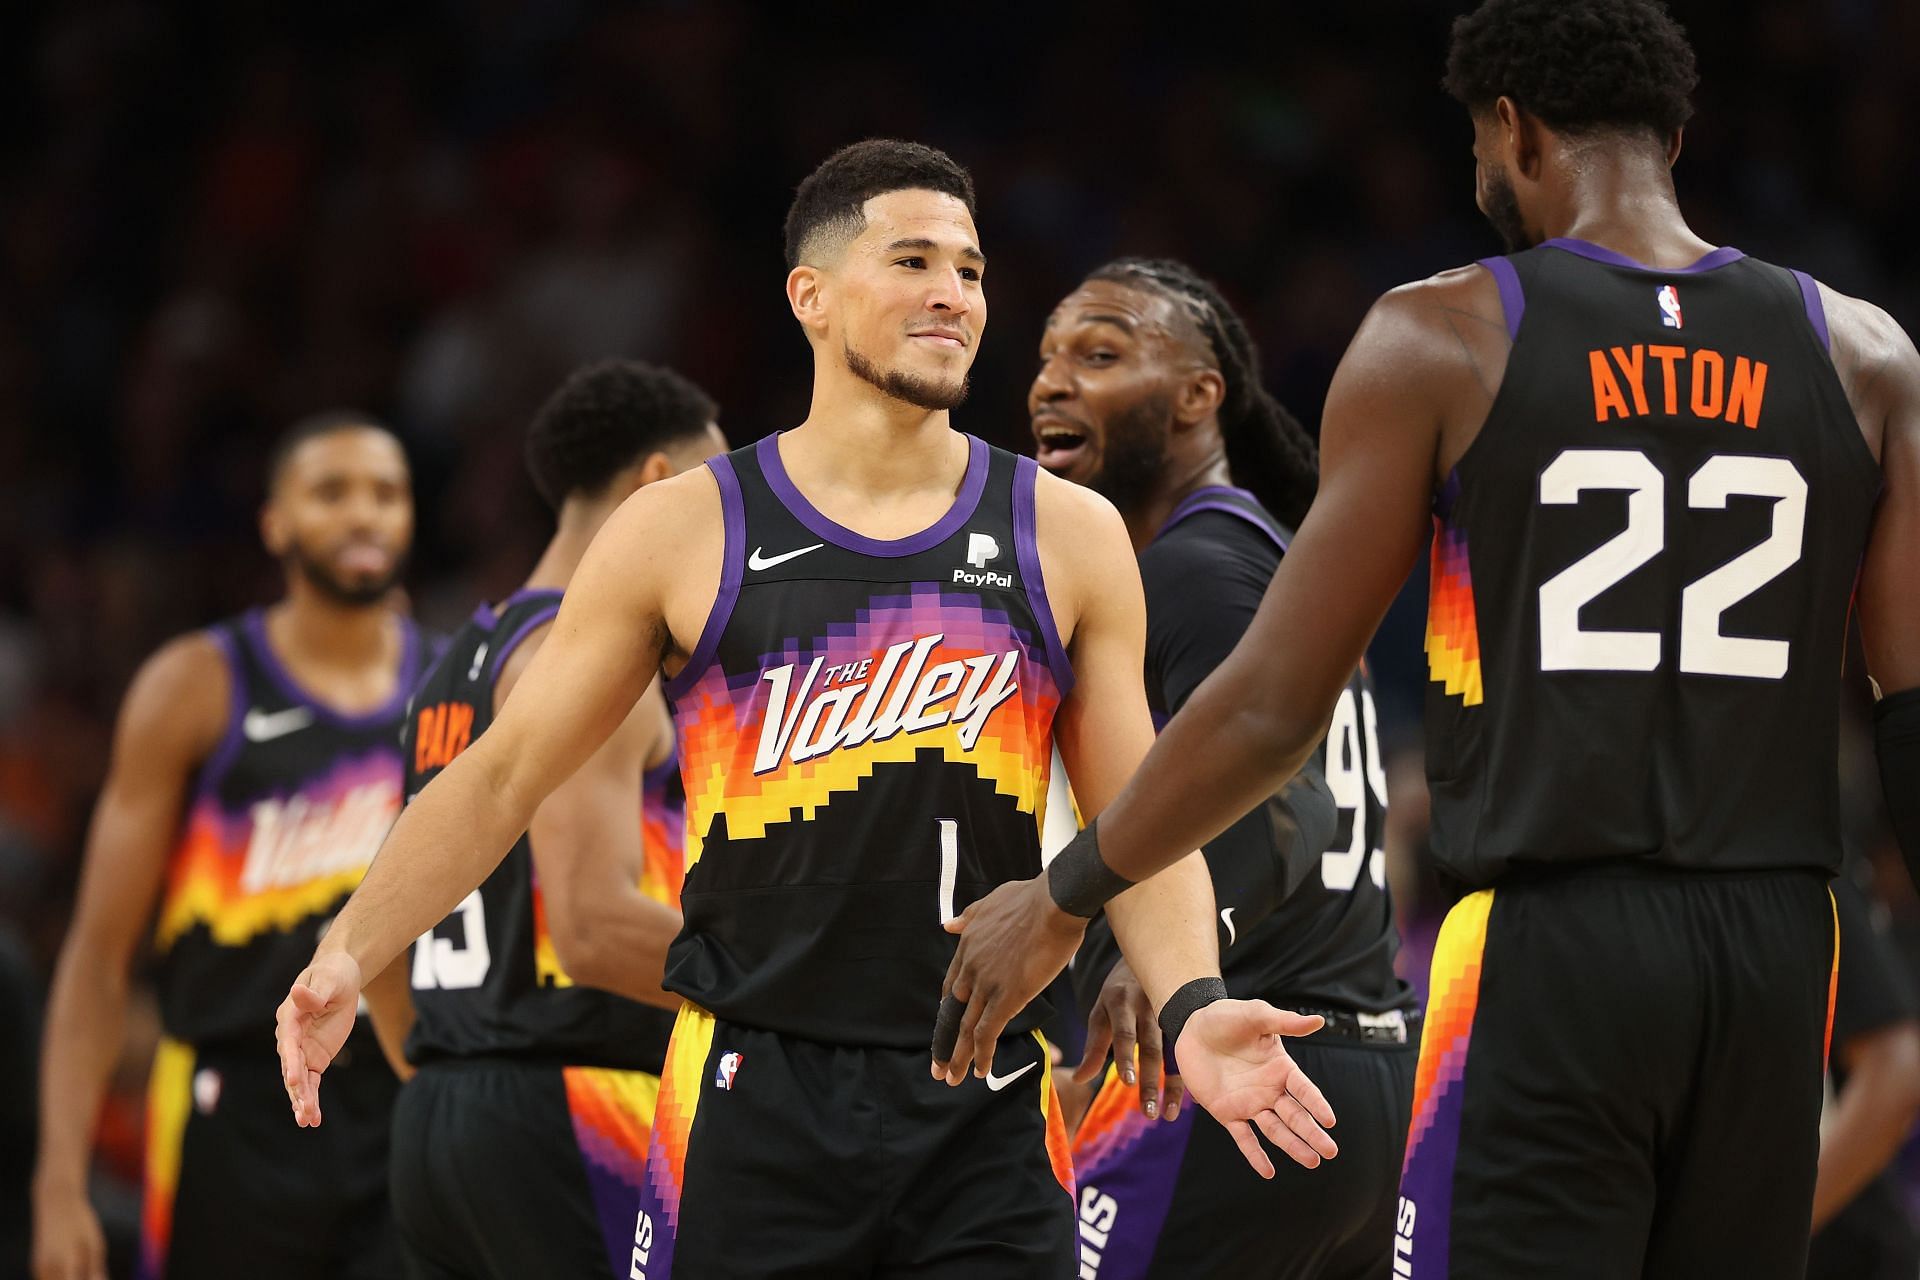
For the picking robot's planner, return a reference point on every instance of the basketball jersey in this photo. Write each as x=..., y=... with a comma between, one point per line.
x=282, y=821
x=865, y=735
x=487, y=980
x=1642, y=570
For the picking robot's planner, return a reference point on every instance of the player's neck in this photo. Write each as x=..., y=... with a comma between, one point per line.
x=859, y=441
x=316, y=636
x=1183, y=478
x=579, y=521
x=1622, y=199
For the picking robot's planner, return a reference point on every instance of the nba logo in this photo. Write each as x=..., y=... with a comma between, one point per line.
x=1669, y=300
x=981, y=548
x=729, y=1065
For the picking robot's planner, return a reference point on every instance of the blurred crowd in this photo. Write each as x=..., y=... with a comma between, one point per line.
x=216, y=217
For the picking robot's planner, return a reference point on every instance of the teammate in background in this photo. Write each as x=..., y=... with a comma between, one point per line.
x=866, y=670
x=1149, y=393
x=1861, y=1227
x=518, y=1147
x=255, y=769
x=1654, y=465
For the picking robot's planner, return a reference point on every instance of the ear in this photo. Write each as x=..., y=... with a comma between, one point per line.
x=1199, y=399
x=1520, y=136
x=656, y=467
x=1673, y=146
x=806, y=294
x=273, y=530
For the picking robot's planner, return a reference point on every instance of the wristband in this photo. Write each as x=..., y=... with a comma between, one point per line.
x=1184, y=1003
x=1079, y=880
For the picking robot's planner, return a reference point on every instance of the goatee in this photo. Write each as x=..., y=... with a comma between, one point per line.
x=922, y=393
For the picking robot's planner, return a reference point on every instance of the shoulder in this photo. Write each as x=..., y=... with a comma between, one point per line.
x=672, y=512
x=182, y=694
x=1875, y=359
x=1065, y=511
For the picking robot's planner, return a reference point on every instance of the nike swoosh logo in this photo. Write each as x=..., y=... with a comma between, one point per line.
x=997, y=1083
x=758, y=561
x=265, y=726
x=1226, y=918
x=479, y=661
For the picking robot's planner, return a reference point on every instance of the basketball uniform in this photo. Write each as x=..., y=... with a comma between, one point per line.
x=281, y=824
x=1306, y=923
x=866, y=733
x=1641, y=577
x=519, y=1145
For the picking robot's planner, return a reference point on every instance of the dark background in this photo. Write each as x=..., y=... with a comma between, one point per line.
x=216, y=217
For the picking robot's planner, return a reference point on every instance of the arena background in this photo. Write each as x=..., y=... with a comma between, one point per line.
x=215, y=217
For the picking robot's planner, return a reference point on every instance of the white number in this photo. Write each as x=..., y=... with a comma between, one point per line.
x=440, y=962
x=949, y=864
x=1564, y=646
x=1353, y=766
x=1704, y=650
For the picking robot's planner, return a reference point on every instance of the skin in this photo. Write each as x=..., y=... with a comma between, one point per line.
x=905, y=293
x=344, y=499
x=1870, y=1121
x=1407, y=399
x=586, y=843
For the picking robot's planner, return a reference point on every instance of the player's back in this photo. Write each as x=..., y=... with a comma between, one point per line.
x=1641, y=575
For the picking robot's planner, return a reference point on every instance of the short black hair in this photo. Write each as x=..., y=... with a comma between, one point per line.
x=608, y=416
x=1268, y=451
x=1581, y=66
x=834, y=195
x=312, y=427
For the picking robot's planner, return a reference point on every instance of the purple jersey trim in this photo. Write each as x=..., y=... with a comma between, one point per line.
x=255, y=627
x=1513, y=300
x=539, y=618
x=1026, y=546
x=733, y=561
x=662, y=772
x=964, y=504
x=238, y=697
x=1210, y=498
x=488, y=615
x=1816, y=309
x=1587, y=249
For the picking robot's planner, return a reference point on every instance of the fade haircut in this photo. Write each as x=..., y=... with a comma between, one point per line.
x=604, y=418
x=312, y=427
x=830, y=205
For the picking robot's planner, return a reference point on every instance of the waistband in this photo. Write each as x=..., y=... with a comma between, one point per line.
x=1394, y=1027
x=1523, y=875
x=471, y=1064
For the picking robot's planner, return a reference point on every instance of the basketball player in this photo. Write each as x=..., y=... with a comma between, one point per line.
x=1149, y=393
x=518, y=1147
x=255, y=770
x=1653, y=465
x=867, y=623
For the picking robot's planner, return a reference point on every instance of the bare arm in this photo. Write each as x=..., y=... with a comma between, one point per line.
x=1881, y=372
x=1872, y=1116
x=171, y=721
x=390, y=1005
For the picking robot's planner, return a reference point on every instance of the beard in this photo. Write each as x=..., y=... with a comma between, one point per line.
x=361, y=594
x=1133, y=452
x=922, y=393
x=1503, y=211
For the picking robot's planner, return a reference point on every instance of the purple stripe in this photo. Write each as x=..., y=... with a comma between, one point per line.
x=1141, y=1174
x=1211, y=498
x=660, y=774
x=1443, y=501
x=223, y=756
x=1513, y=299
x=1026, y=546
x=488, y=615
x=255, y=627
x=1816, y=309
x=964, y=503
x=733, y=560
x=1587, y=249
x=539, y=618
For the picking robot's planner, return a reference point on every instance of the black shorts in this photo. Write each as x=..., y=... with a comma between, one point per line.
x=235, y=1188
x=504, y=1170
x=1169, y=1200
x=1620, y=1075
x=775, y=1156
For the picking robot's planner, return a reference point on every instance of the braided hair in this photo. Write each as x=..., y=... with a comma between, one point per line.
x=1268, y=451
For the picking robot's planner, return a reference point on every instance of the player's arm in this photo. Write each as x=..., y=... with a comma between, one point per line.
x=389, y=996
x=171, y=721
x=605, y=646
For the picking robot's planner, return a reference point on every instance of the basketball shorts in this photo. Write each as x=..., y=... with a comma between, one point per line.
x=504, y=1170
x=1620, y=1075
x=234, y=1188
x=776, y=1156
x=1167, y=1200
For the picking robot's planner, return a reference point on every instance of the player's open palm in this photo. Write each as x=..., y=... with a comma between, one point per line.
x=311, y=1025
x=1236, y=1066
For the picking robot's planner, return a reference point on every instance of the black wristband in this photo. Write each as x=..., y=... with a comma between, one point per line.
x=1896, y=743
x=1183, y=1004
x=1079, y=879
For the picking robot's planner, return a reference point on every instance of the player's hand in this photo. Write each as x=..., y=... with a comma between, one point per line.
x=1012, y=944
x=1123, y=1020
x=311, y=1025
x=1235, y=1065
x=67, y=1241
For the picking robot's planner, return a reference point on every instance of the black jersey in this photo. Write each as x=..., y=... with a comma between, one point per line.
x=487, y=981
x=1641, y=575
x=1300, y=882
x=866, y=734
x=283, y=819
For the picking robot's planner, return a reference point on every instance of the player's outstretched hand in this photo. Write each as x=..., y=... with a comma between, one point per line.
x=1123, y=1020
x=1235, y=1065
x=311, y=1025
x=1012, y=944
